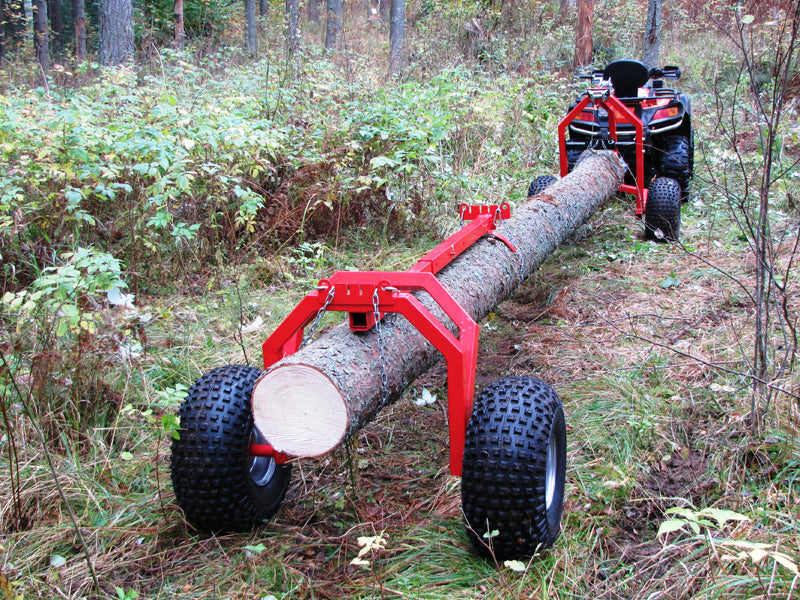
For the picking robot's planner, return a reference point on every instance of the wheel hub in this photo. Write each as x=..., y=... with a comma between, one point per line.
x=261, y=468
x=550, y=471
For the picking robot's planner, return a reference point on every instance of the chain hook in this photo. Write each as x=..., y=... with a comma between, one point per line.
x=498, y=216
x=320, y=314
x=381, y=356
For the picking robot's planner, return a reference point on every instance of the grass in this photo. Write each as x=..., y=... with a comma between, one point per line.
x=647, y=345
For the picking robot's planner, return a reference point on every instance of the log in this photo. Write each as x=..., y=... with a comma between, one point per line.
x=308, y=403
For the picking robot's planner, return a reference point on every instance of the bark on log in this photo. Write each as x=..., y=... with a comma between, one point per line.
x=308, y=403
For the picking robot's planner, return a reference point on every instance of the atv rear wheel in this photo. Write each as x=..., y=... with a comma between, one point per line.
x=515, y=456
x=676, y=161
x=540, y=184
x=662, y=213
x=219, y=486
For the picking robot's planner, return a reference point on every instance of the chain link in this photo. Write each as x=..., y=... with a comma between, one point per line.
x=318, y=318
x=381, y=356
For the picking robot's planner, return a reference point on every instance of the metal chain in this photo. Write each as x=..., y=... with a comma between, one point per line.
x=320, y=313
x=381, y=356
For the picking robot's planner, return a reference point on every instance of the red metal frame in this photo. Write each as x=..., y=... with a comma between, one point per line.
x=617, y=111
x=354, y=291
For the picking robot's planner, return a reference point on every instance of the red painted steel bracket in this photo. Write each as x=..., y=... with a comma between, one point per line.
x=617, y=111
x=354, y=292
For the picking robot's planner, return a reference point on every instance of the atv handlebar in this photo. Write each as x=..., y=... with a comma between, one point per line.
x=667, y=72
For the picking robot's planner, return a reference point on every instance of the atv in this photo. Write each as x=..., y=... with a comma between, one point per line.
x=628, y=109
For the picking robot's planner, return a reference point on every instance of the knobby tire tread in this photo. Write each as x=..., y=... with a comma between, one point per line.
x=209, y=463
x=662, y=217
x=504, y=472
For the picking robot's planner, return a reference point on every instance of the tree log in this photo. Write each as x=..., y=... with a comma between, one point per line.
x=310, y=402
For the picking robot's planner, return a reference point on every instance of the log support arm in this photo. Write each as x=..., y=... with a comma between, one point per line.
x=314, y=396
x=377, y=293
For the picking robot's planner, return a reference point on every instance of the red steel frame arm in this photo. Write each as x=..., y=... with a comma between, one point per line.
x=354, y=292
x=617, y=111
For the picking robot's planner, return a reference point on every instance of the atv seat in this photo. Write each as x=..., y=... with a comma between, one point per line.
x=627, y=76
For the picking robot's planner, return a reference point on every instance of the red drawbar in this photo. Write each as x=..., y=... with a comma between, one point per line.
x=353, y=292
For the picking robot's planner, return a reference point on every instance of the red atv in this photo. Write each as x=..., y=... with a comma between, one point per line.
x=628, y=109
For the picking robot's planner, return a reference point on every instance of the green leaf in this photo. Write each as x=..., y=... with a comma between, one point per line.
x=670, y=281
x=383, y=161
x=57, y=561
x=722, y=516
x=669, y=526
x=256, y=549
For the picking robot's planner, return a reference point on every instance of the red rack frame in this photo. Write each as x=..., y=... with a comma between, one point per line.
x=353, y=292
x=617, y=111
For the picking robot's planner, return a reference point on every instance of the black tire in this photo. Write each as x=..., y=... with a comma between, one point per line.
x=662, y=214
x=677, y=158
x=573, y=157
x=514, y=468
x=540, y=184
x=219, y=486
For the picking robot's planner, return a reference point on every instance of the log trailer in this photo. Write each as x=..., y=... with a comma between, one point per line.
x=509, y=446
x=242, y=426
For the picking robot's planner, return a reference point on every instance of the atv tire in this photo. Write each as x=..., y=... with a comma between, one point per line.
x=515, y=455
x=540, y=184
x=662, y=213
x=677, y=161
x=573, y=157
x=219, y=486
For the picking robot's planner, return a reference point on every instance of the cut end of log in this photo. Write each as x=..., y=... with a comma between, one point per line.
x=299, y=410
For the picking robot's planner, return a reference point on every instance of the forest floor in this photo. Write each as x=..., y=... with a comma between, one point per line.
x=625, y=331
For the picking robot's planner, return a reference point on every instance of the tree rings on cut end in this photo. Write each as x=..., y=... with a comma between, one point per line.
x=299, y=410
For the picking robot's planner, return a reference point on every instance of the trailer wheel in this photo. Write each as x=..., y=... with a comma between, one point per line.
x=219, y=486
x=662, y=213
x=515, y=456
x=540, y=184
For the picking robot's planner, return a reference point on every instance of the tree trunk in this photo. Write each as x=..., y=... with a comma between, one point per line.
x=563, y=9
x=2, y=29
x=385, y=9
x=263, y=8
x=180, y=33
x=116, y=32
x=310, y=402
x=583, y=34
x=27, y=9
x=397, y=37
x=333, y=25
x=40, y=41
x=652, y=34
x=250, y=22
x=313, y=11
x=56, y=25
x=292, y=31
x=79, y=20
